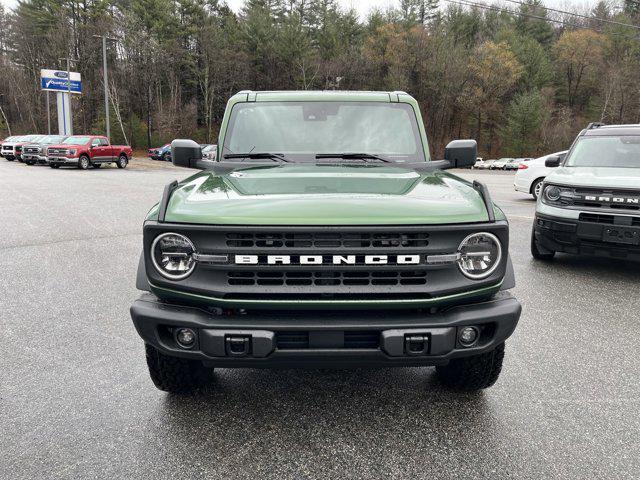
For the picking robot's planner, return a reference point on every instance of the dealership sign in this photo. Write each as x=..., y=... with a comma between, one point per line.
x=60, y=81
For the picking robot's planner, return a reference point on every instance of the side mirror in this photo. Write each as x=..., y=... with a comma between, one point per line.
x=214, y=153
x=461, y=153
x=186, y=153
x=552, y=161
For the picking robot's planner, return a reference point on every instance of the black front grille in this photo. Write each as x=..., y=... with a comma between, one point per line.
x=31, y=150
x=603, y=199
x=327, y=240
x=339, y=271
x=327, y=278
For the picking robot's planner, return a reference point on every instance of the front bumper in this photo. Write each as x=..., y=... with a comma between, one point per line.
x=326, y=339
x=576, y=236
x=63, y=160
x=29, y=157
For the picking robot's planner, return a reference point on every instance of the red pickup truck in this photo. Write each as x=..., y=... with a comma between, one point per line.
x=84, y=151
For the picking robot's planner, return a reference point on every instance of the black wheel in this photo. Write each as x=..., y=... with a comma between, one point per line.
x=536, y=188
x=122, y=161
x=83, y=162
x=9, y=159
x=29, y=162
x=165, y=157
x=473, y=373
x=53, y=166
x=538, y=252
x=175, y=374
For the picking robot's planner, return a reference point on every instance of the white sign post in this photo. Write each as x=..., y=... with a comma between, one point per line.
x=64, y=84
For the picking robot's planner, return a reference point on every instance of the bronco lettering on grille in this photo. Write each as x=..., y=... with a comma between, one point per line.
x=324, y=259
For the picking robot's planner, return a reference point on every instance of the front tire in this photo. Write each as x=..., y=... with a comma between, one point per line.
x=83, y=162
x=122, y=161
x=174, y=374
x=51, y=165
x=470, y=374
x=164, y=157
x=536, y=188
x=538, y=252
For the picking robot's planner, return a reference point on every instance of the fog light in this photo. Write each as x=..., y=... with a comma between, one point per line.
x=468, y=336
x=185, y=337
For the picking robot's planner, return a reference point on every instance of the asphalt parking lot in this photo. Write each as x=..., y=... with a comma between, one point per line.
x=76, y=400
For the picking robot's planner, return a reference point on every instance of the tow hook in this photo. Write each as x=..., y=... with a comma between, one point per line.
x=416, y=344
x=238, y=345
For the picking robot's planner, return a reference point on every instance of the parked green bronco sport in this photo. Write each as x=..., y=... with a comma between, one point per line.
x=324, y=236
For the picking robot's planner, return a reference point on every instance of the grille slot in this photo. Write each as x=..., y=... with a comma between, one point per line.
x=327, y=278
x=605, y=219
x=327, y=240
x=358, y=339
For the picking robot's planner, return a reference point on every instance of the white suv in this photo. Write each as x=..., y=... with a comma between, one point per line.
x=530, y=174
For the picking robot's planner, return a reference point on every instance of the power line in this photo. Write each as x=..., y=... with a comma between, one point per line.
x=528, y=15
x=549, y=9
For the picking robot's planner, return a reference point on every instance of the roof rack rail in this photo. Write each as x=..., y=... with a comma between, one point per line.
x=595, y=125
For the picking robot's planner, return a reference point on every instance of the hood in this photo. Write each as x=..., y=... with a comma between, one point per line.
x=325, y=195
x=65, y=146
x=605, y=177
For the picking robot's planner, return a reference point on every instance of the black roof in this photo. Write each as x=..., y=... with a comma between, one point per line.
x=606, y=130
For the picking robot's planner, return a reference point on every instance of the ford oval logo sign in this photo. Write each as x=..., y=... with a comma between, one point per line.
x=61, y=74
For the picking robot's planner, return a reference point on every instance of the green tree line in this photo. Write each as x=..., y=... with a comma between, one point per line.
x=520, y=83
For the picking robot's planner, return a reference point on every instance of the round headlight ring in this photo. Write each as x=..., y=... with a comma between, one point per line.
x=552, y=193
x=485, y=274
x=159, y=268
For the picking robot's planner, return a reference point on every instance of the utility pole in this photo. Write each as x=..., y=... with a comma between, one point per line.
x=105, y=79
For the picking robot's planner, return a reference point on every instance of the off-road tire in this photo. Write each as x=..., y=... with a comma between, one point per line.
x=473, y=373
x=122, y=161
x=175, y=374
x=540, y=254
x=84, y=162
x=534, y=188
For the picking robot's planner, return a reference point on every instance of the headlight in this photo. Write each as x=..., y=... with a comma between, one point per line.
x=480, y=255
x=172, y=255
x=555, y=195
x=552, y=193
x=72, y=151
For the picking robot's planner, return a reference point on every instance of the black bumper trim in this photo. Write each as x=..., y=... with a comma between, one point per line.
x=581, y=237
x=497, y=318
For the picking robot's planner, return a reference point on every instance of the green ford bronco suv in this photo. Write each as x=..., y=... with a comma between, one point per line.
x=324, y=236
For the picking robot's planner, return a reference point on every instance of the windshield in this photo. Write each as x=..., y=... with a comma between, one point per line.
x=622, y=151
x=50, y=139
x=301, y=130
x=76, y=140
x=31, y=138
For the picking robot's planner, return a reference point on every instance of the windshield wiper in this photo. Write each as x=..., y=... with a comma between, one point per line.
x=354, y=156
x=258, y=156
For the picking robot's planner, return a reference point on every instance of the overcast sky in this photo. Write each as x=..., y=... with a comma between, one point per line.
x=363, y=6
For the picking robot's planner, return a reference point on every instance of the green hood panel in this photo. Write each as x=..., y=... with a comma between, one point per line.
x=605, y=177
x=325, y=195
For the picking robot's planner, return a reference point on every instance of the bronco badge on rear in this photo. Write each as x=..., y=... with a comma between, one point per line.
x=324, y=235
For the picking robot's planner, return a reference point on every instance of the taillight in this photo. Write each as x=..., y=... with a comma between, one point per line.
x=522, y=166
